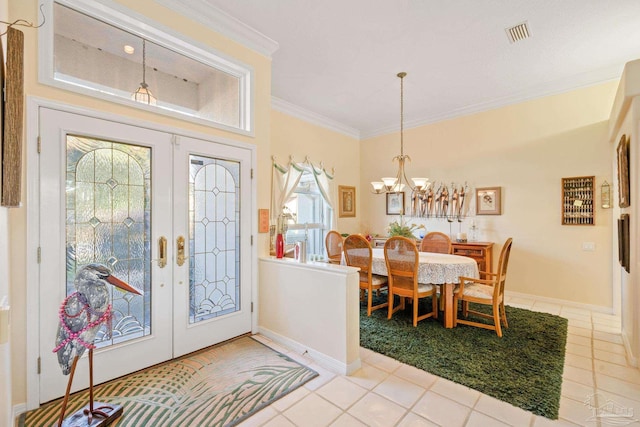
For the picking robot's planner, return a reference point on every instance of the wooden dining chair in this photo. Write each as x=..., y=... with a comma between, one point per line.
x=333, y=243
x=436, y=242
x=402, y=259
x=488, y=290
x=357, y=253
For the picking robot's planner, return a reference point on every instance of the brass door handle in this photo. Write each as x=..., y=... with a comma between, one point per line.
x=162, y=252
x=180, y=250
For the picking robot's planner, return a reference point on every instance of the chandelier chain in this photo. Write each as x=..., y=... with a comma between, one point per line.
x=144, y=61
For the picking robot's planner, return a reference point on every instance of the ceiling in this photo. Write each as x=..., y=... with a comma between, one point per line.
x=339, y=58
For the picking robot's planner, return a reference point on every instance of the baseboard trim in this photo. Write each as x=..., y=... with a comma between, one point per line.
x=16, y=411
x=322, y=359
x=590, y=307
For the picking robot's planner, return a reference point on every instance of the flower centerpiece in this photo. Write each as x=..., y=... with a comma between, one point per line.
x=403, y=229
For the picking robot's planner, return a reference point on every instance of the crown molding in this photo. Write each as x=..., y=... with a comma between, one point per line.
x=212, y=17
x=313, y=118
x=552, y=88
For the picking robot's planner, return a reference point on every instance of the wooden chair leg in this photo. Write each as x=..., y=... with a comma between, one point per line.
x=369, y=301
x=504, y=315
x=465, y=308
x=434, y=300
x=455, y=312
x=390, y=304
x=496, y=319
x=415, y=312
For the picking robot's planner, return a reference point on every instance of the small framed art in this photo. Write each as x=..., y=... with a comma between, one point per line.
x=395, y=203
x=346, y=201
x=488, y=201
x=623, y=172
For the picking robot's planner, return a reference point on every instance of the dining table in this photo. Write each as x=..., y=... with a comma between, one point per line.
x=443, y=270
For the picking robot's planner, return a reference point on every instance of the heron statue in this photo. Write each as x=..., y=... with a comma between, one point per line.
x=82, y=314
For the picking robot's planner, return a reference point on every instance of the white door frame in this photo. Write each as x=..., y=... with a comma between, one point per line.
x=32, y=279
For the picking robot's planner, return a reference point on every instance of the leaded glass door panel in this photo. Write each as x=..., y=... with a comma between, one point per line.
x=213, y=296
x=105, y=197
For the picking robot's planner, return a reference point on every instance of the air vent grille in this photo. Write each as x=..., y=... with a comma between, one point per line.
x=518, y=32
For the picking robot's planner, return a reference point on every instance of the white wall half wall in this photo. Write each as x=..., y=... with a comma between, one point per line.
x=312, y=307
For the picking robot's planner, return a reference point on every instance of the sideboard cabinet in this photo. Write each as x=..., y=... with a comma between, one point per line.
x=480, y=251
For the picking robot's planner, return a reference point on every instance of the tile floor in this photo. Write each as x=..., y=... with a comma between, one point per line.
x=386, y=393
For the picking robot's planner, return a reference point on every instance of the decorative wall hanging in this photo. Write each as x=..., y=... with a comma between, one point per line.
x=488, y=201
x=12, y=123
x=623, y=241
x=395, y=203
x=347, y=201
x=623, y=172
x=577, y=200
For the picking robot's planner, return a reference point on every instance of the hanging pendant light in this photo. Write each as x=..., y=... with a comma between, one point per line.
x=143, y=95
x=398, y=183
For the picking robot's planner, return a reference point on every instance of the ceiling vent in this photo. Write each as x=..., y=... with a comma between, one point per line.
x=518, y=32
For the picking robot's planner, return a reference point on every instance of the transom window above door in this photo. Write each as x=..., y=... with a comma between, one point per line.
x=118, y=55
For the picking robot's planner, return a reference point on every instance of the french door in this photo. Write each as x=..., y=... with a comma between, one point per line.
x=170, y=215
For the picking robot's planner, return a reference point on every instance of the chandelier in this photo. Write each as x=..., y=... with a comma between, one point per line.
x=143, y=95
x=399, y=182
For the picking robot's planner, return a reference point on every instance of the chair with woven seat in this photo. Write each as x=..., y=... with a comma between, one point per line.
x=357, y=253
x=402, y=259
x=436, y=242
x=488, y=290
x=333, y=243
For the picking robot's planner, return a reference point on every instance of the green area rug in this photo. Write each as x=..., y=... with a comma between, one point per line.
x=523, y=368
x=218, y=386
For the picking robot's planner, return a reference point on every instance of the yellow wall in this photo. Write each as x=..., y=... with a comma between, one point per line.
x=526, y=149
x=27, y=9
x=294, y=137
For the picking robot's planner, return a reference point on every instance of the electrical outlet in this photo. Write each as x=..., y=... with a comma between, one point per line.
x=588, y=246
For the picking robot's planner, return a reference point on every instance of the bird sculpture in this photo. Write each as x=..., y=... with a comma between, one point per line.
x=82, y=314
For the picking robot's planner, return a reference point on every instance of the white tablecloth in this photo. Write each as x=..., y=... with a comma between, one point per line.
x=434, y=268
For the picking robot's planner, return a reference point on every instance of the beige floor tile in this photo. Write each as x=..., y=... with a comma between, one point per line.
x=619, y=359
x=415, y=420
x=583, y=332
x=604, y=336
x=545, y=422
x=279, y=421
x=605, y=383
x=365, y=353
x=400, y=391
x=580, y=324
x=341, y=392
x=577, y=339
x=416, y=376
x=346, y=420
x=584, y=318
x=383, y=362
x=368, y=376
x=459, y=393
x=578, y=375
x=478, y=419
x=503, y=411
x=576, y=412
x=628, y=409
x=578, y=361
x=575, y=310
x=546, y=307
x=576, y=391
x=608, y=346
x=312, y=411
x=607, y=328
x=295, y=396
x=376, y=411
x=624, y=373
x=260, y=417
x=325, y=376
x=579, y=350
x=440, y=410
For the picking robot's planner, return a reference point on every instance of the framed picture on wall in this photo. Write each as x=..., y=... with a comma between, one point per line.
x=488, y=201
x=623, y=172
x=395, y=203
x=623, y=241
x=346, y=201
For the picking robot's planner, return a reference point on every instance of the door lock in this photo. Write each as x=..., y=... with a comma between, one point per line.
x=180, y=250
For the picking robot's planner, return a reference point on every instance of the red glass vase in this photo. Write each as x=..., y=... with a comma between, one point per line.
x=279, y=246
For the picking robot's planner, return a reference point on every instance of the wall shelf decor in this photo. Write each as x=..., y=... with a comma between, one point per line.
x=577, y=200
